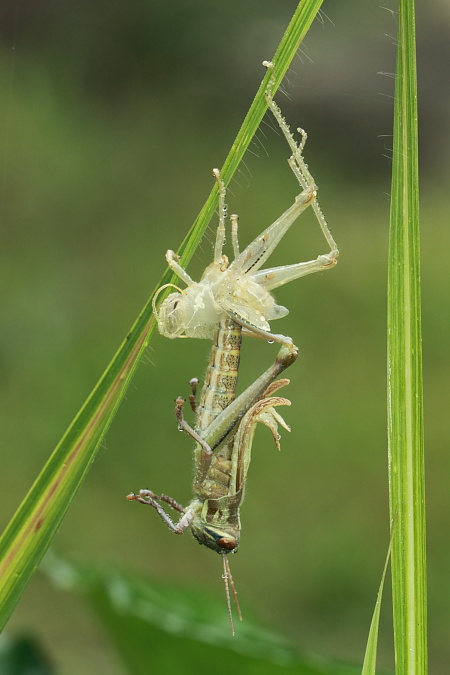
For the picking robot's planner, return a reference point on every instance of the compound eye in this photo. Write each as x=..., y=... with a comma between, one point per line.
x=228, y=543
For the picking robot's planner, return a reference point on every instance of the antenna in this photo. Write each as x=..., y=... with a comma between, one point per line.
x=229, y=583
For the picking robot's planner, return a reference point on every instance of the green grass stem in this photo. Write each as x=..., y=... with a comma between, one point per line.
x=405, y=411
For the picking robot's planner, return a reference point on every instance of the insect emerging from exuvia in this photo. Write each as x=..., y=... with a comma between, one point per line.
x=231, y=300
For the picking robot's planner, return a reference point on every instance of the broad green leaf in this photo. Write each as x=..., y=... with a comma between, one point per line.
x=174, y=629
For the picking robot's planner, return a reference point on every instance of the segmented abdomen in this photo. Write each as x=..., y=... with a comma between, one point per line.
x=219, y=389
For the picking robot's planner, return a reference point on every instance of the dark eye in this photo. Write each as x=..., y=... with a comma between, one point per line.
x=228, y=543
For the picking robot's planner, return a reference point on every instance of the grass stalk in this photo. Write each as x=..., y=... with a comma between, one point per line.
x=405, y=404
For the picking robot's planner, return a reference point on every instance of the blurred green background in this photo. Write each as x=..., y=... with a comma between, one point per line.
x=112, y=117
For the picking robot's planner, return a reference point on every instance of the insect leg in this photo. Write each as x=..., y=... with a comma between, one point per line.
x=298, y=164
x=220, y=236
x=145, y=495
x=299, y=172
x=225, y=424
x=172, y=261
x=253, y=331
x=150, y=499
x=172, y=502
x=184, y=426
x=193, y=383
x=261, y=411
x=234, y=234
x=257, y=252
x=278, y=276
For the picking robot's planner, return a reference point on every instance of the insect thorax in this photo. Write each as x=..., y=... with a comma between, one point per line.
x=196, y=311
x=217, y=524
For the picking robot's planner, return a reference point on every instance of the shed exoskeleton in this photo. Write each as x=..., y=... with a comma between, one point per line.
x=241, y=290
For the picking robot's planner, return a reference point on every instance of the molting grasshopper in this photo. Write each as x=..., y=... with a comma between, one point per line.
x=229, y=300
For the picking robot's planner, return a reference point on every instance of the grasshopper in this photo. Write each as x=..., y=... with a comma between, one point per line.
x=229, y=300
x=222, y=457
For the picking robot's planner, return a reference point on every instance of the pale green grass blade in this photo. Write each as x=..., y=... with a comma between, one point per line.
x=405, y=414
x=36, y=521
x=370, y=657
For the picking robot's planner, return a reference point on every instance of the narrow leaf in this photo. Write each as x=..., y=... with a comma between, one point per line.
x=405, y=414
x=370, y=657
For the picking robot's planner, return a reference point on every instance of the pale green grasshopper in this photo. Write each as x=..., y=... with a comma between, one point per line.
x=230, y=299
